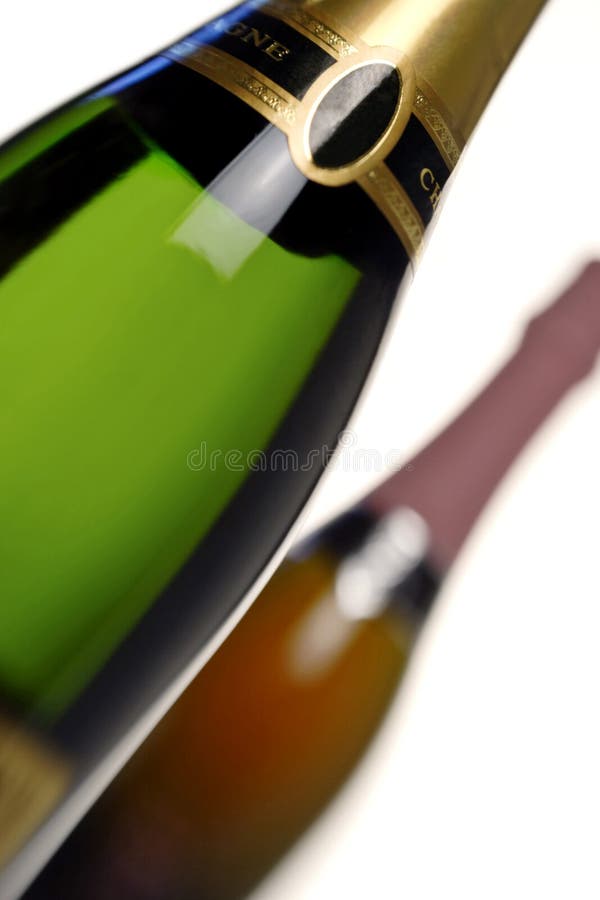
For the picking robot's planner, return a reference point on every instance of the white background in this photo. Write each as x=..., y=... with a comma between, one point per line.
x=485, y=782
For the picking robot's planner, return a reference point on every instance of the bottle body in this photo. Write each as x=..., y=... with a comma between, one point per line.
x=150, y=330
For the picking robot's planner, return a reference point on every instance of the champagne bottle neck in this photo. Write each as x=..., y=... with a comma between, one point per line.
x=450, y=481
x=459, y=47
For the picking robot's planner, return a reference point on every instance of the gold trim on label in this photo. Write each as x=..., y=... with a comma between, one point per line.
x=32, y=781
x=327, y=35
x=393, y=201
x=258, y=91
x=429, y=115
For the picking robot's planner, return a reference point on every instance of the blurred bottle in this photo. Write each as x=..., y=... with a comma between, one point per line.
x=278, y=719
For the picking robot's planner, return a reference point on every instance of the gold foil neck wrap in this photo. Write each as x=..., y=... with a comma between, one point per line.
x=459, y=47
x=448, y=55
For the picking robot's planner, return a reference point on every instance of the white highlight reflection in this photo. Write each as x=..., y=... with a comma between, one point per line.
x=252, y=195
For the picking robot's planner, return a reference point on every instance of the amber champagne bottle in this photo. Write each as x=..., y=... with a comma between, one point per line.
x=191, y=256
x=276, y=721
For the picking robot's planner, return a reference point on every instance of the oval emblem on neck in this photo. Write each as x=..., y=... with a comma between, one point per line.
x=353, y=115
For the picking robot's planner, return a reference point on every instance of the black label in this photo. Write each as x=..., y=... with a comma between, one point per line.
x=274, y=49
x=420, y=168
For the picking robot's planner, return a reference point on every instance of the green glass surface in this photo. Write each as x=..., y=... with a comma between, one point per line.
x=48, y=133
x=122, y=349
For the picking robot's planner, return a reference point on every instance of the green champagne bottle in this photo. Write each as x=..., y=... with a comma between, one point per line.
x=198, y=261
